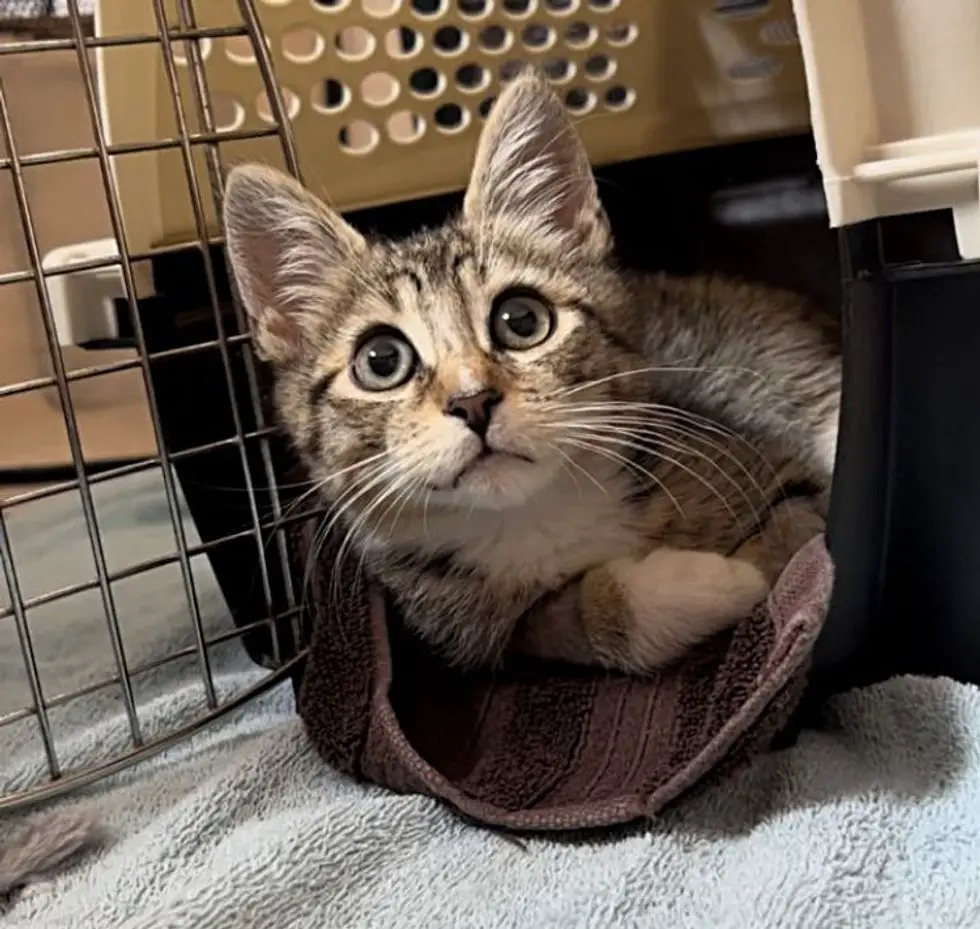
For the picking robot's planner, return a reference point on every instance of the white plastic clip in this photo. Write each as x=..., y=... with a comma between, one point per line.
x=82, y=300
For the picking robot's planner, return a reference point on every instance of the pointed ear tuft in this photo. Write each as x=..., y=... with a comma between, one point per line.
x=284, y=247
x=531, y=168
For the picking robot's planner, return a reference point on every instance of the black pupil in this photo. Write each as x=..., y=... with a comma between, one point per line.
x=384, y=358
x=521, y=321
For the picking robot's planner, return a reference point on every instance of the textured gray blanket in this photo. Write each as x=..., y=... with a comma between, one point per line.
x=874, y=822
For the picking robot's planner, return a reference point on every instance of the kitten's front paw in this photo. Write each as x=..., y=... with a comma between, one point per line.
x=733, y=585
x=676, y=599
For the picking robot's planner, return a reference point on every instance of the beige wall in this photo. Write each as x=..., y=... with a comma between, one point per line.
x=47, y=107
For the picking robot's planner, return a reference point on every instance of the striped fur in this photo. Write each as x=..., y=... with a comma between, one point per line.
x=655, y=461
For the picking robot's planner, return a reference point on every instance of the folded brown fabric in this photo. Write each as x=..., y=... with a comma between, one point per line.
x=532, y=746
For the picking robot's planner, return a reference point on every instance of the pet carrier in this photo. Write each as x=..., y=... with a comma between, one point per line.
x=176, y=91
x=895, y=93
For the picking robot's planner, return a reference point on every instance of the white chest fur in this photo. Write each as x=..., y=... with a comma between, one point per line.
x=560, y=532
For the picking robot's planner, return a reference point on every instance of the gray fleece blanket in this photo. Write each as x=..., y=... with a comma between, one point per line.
x=873, y=822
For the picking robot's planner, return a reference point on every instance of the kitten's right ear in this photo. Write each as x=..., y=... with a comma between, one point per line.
x=532, y=170
x=284, y=247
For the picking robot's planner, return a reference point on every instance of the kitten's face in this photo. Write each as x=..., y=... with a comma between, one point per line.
x=453, y=365
x=439, y=369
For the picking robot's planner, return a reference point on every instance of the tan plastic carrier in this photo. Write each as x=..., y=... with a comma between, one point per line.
x=895, y=91
x=386, y=97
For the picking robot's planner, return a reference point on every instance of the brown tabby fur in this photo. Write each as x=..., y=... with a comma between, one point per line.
x=656, y=460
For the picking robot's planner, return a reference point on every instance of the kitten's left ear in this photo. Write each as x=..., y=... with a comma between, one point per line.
x=532, y=169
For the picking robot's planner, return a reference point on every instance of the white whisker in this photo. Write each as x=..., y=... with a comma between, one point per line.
x=653, y=369
x=616, y=437
x=626, y=462
x=652, y=432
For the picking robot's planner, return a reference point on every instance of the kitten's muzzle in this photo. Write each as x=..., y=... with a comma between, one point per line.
x=475, y=409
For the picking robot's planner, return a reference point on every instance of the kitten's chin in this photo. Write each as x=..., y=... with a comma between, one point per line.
x=498, y=482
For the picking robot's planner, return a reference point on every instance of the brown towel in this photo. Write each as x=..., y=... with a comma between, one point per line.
x=547, y=747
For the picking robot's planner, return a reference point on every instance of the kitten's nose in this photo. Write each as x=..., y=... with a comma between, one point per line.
x=475, y=409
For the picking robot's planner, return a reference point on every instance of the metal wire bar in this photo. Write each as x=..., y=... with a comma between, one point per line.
x=27, y=649
x=66, y=697
x=135, y=467
x=162, y=561
x=261, y=530
x=113, y=367
x=129, y=281
x=67, y=155
x=263, y=60
x=216, y=176
x=94, y=264
x=200, y=223
x=148, y=750
x=67, y=406
x=61, y=45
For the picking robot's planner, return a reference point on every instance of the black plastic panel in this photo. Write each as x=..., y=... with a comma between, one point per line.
x=905, y=522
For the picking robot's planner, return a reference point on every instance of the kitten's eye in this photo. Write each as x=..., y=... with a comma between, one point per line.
x=384, y=361
x=519, y=321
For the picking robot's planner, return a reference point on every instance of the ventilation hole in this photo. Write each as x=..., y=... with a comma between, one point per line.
x=579, y=34
x=264, y=108
x=426, y=82
x=537, y=36
x=450, y=40
x=451, y=117
x=239, y=50
x=358, y=137
x=754, y=69
x=381, y=8
x=579, y=100
x=331, y=5
x=302, y=44
x=561, y=7
x=227, y=112
x=379, y=88
x=779, y=32
x=495, y=39
x=558, y=70
x=599, y=66
x=603, y=6
x=486, y=106
x=517, y=7
x=354, y=43
x=472, y=78
x=330, y=95
x=182, y=50
x=619, y=97
x=621, y=33
x=428, y=8
x=405, y=127
x=740, y=7
x=509, y=70
x=402, y=42
x=473, y=8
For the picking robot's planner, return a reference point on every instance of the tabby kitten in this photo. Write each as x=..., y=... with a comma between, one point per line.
x=527, y=445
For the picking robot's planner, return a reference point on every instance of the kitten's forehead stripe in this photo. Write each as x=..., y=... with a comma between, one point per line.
x=402, y=283
x=321, y=385
x=605, y=329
